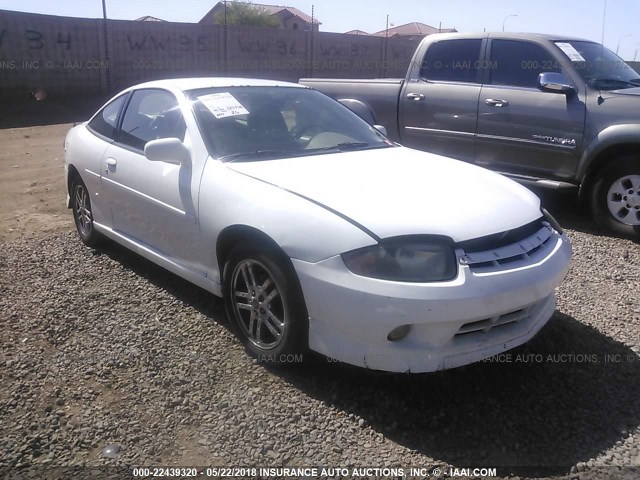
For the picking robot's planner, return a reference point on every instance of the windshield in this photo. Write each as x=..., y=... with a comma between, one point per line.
x=259, y=123
x=599, y=66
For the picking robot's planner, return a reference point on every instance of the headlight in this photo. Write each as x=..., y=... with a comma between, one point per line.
x=405, y=260
x=552, y=221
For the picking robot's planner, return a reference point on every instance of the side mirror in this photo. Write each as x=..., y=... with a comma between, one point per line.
x=381, y=128
x=170, y=150
x=555, y=83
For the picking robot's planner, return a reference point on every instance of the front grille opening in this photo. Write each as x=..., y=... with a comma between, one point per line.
x=488, y=324
x=502, y=261
x=501, y=239
x=537, y=238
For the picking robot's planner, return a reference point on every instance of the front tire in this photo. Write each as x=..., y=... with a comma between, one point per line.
x=82, y=213
x=265, y=304
x=615, y=197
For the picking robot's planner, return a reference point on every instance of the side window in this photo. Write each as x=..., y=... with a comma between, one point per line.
x=151, y=114
x=518, y=63
x=106, y=120
x=452, y=61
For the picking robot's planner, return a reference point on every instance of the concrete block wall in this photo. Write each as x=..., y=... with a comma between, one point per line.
x=143, y=51
x=59, y=54
x=76, y=56
x=267, y=53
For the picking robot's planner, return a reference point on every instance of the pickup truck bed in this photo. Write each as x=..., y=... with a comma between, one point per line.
x=381, y=97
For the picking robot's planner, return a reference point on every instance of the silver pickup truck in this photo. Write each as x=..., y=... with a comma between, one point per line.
x=545, y=110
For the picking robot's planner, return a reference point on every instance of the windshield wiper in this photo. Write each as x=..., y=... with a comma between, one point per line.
x=616, y=80
x=350, y=146
x=258, y=155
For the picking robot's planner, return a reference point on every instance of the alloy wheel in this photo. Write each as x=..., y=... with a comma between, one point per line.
x=258, y=304
x=83, y=210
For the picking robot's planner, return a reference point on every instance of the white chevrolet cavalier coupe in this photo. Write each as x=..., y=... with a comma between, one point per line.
x=317, y=231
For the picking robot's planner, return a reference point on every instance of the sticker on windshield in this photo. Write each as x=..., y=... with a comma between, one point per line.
x=570, y=51
x=223, y=105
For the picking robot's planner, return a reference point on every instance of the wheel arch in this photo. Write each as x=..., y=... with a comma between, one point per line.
x=72, y=172
x=603, y=158
x=234, y=235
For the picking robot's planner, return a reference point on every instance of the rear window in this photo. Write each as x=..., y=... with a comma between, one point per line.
x=106, y=120
x=452, y=61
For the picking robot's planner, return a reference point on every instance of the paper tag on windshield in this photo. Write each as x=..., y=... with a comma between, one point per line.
x=223, y=105
x=570, y=52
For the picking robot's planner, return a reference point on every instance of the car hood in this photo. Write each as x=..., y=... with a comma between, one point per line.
x=400, y=191
x=633, y=91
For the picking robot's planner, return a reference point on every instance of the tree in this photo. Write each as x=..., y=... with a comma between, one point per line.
x=248, y=14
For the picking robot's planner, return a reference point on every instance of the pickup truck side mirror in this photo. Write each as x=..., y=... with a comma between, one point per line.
x=555, y=83
x=169, y=150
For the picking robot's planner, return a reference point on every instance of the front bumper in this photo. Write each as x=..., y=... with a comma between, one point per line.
x=475, y=316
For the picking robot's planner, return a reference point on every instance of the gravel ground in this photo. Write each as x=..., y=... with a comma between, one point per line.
x=102, y=348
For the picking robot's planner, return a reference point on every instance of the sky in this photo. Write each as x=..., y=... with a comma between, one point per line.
x=580, y=18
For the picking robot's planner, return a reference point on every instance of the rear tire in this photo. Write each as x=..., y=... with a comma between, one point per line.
x=265, y=304
x=615, y=197
x=82, y=213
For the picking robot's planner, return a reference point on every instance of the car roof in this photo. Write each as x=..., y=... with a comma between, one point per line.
x=193, y=83
x=546, y=36
x=511, y=36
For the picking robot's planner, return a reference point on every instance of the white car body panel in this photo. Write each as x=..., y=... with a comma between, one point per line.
x=316, y=208
x=353, y=327
x=302, y=229
x=428, y=188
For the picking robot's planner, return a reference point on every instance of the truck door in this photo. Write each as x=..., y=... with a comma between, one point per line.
x=438, y=110
x=522, y=129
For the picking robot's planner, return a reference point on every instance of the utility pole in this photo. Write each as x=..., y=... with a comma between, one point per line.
x=620, y=41
x=313, y=17
x=106, y=45
x=505, y=19
x=224, y=40
x=383, y=70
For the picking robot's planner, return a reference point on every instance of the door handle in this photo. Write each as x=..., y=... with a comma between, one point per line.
x=416, y=97
x=494, y=102
x=111, y=164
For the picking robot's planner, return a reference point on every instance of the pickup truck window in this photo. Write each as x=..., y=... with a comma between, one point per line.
x=518, y=64
x=452, y=61
x=599, y=66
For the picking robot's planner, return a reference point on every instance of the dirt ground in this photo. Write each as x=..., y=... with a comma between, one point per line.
x=32, y=191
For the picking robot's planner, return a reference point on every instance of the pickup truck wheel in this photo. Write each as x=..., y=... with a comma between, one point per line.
x=615, y=197
x=265, y=304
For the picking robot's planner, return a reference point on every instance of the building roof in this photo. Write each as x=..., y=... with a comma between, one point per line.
x=149, y=18
x=356, y=32
x=273, y=10
x=413, y=29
